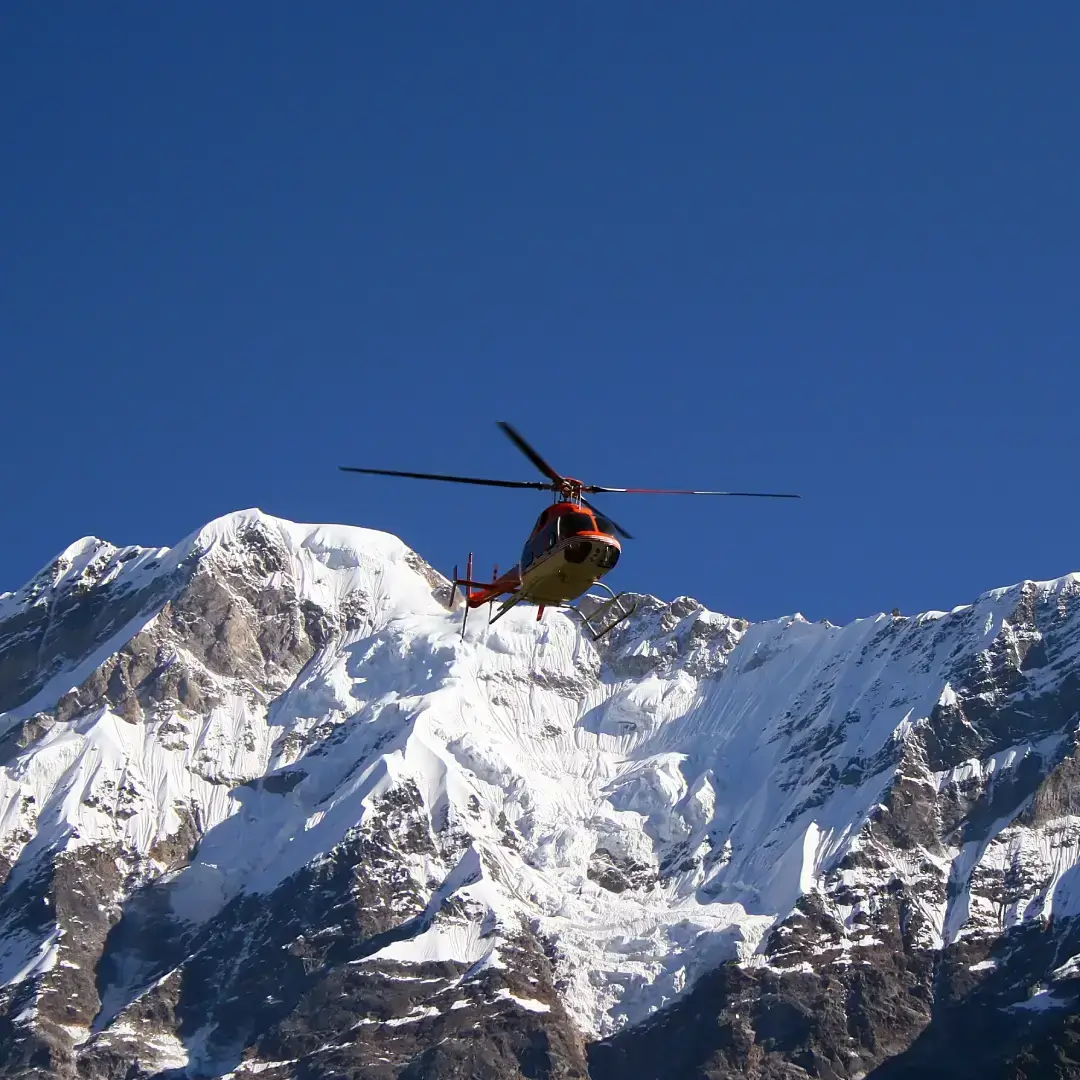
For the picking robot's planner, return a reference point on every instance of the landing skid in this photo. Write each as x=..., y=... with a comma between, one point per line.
x=596, y=623
x=504, y=607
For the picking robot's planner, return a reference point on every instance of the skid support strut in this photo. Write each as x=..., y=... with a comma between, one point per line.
x=599, y=622
x=505, y=606
x=467, y=590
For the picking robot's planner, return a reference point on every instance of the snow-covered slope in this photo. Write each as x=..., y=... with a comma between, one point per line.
x=262, y=771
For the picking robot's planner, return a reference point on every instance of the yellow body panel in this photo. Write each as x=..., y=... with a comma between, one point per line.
x=553, y=579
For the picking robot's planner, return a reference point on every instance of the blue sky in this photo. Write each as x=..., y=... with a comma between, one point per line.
x=827, y=248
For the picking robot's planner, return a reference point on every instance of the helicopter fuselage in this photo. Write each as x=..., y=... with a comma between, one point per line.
x=568, y=551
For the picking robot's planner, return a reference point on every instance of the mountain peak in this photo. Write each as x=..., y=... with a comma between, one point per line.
x=260, y=797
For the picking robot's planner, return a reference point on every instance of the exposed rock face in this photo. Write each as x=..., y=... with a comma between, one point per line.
x=944, y=942
x=263, y=813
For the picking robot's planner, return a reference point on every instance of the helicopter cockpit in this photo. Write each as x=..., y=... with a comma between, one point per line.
x=575, y=524
x=565, y=526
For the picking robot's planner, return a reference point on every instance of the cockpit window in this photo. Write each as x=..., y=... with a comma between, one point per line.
x=572, y=524
x=604, y=526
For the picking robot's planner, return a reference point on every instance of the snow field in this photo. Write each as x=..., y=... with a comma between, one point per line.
x=654, y=808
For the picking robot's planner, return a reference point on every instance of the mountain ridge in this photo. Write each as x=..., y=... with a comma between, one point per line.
x=563, y=846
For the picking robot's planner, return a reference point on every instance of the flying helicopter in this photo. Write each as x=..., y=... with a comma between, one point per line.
x=571, y=547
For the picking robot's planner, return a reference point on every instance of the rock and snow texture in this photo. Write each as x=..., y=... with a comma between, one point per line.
x=263, y=812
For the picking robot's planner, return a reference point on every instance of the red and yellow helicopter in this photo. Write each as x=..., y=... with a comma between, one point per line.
x=571, y=546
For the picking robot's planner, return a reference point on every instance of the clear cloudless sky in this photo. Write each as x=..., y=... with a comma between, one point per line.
x=829, y=248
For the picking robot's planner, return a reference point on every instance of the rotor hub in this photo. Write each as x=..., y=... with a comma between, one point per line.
x=569, y=489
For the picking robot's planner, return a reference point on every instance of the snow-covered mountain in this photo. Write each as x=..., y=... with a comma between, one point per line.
x=263, y=812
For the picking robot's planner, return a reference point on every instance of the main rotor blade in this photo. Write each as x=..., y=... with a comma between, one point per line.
x=614, y=524
x=670, y=491
x=530, y=453
x=535, y=484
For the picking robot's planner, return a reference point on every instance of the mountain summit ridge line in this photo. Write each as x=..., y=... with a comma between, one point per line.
x=259, y=774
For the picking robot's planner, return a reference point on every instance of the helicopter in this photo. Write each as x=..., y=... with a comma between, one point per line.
x=571, y=547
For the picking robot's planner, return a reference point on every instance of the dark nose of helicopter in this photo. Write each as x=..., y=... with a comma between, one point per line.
x=602, y=552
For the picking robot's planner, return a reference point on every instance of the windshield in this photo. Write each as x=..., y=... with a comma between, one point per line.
x=572, y=524
x=604, y=526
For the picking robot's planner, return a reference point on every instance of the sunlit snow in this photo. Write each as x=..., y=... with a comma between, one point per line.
x=694, y=776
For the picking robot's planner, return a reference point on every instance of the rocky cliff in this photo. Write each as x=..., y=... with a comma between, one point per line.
x=263, y=812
